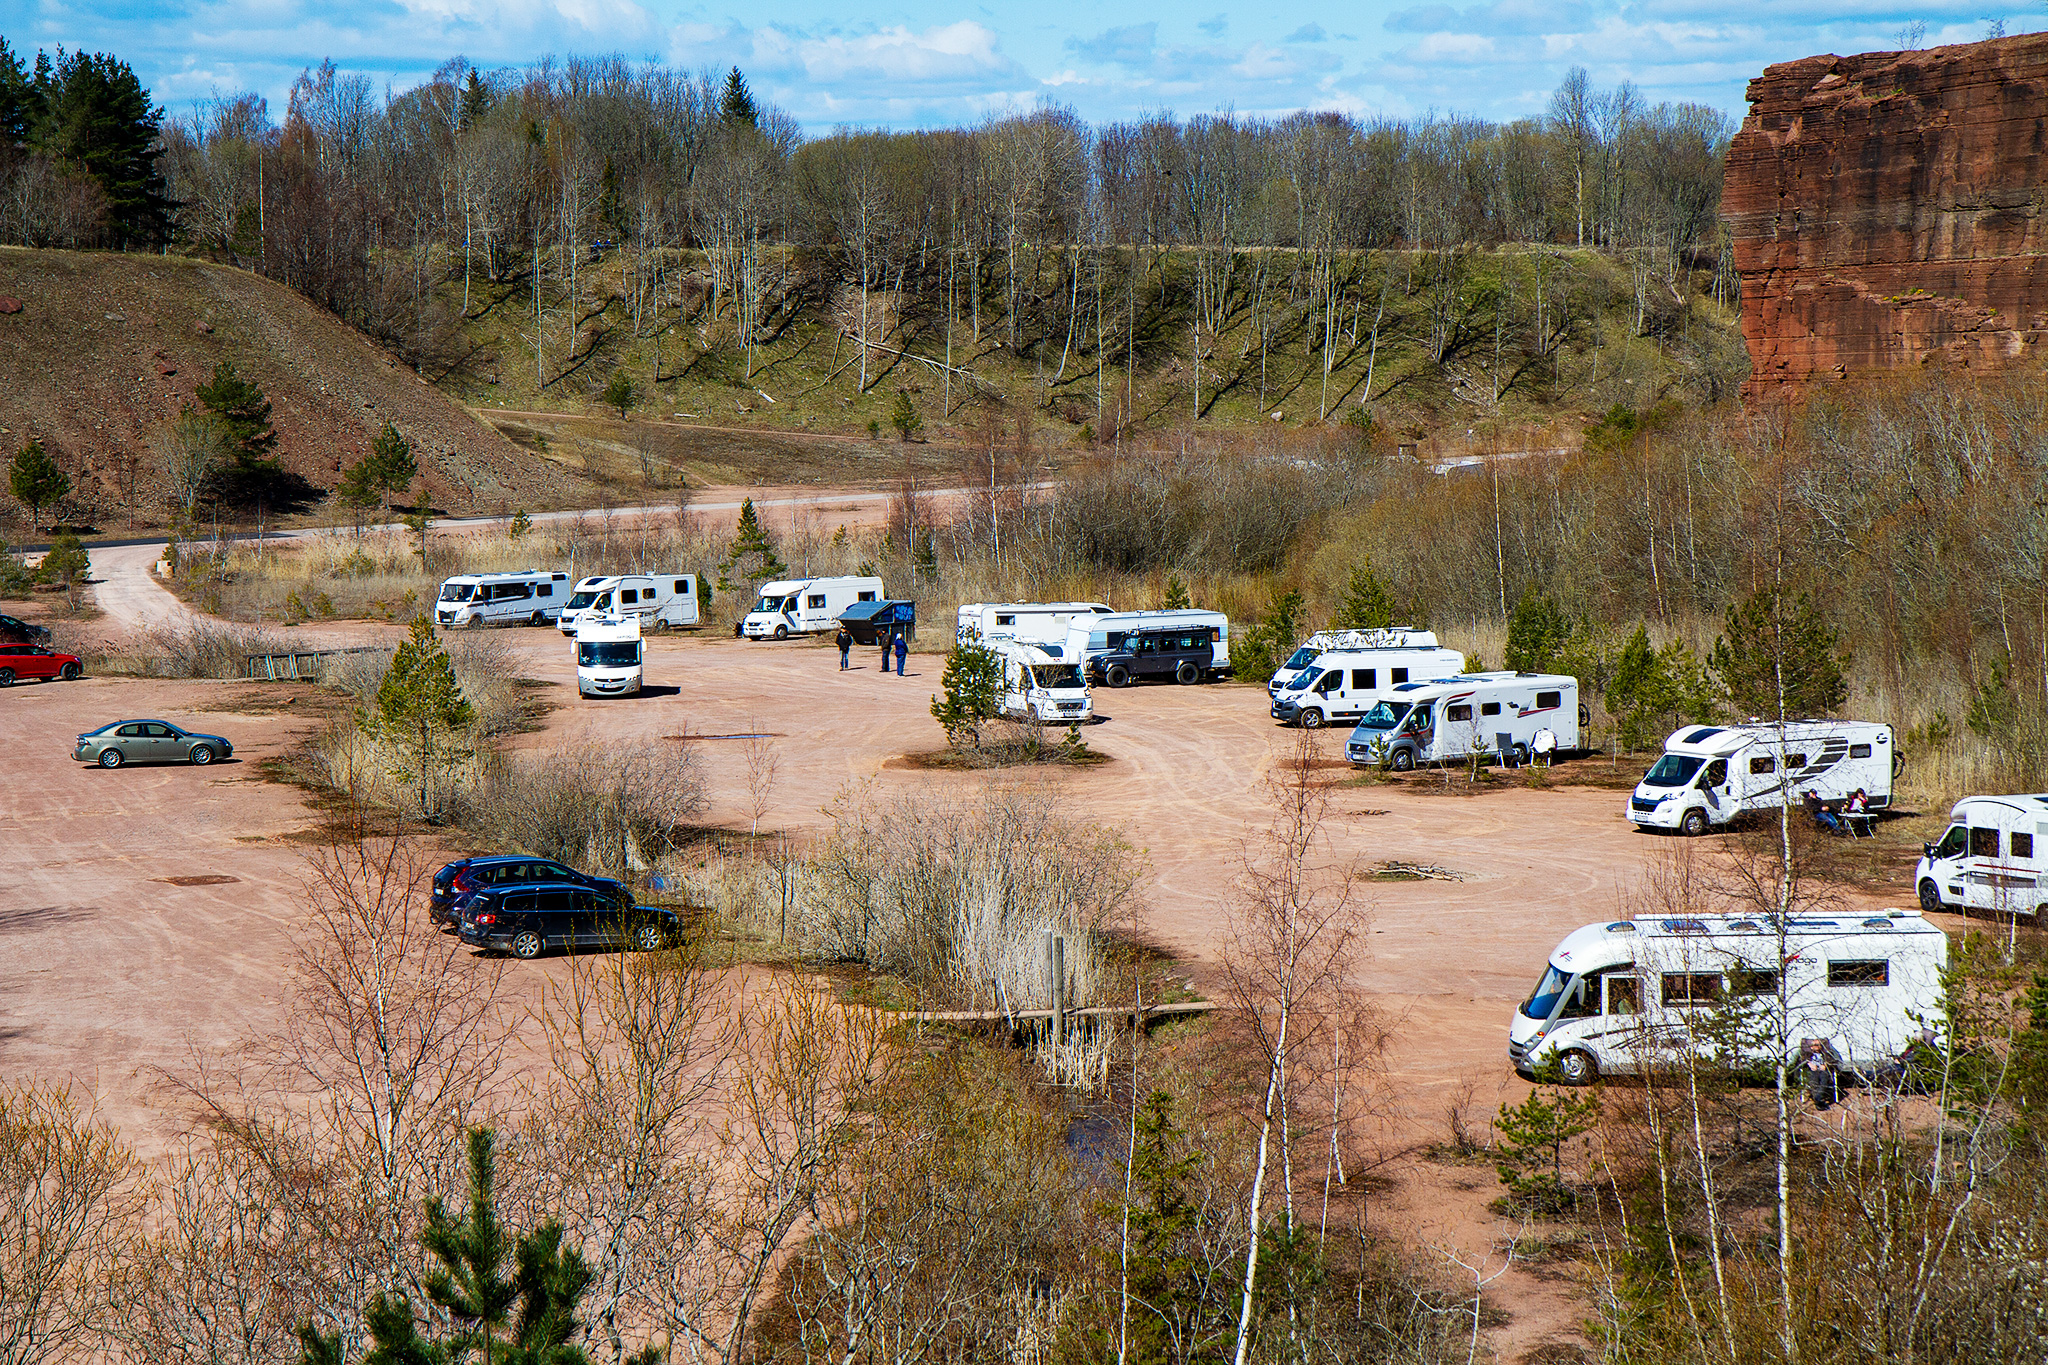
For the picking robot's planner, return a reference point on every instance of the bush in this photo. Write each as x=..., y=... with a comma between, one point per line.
x=208, y=650
x=615, y=812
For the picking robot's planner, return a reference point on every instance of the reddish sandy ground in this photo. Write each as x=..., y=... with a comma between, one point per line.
x=110, y=975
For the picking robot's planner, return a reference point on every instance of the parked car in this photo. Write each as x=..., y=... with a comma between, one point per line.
x=1187, y=654
x=18, y=662
x=527, y=920
x=16, y=629
x=459, y=882
x=148, y=741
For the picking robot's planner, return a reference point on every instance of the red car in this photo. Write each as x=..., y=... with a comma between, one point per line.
x=33, y=661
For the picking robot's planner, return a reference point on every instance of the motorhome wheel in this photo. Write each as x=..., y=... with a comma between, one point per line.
x=539, y=618
x=1693, y=823
x=660, y=626
x=475, y=621
x=781, y=632
x=1578, y=1068
x=1116, y=675
x=1311, y=718
x=1521, y=755
x=1404, y=760
x=1930, y=898
x=1585, y=717
x=1187, y=672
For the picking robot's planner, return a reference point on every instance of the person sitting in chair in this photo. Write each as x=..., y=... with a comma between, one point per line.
x=1822, y=816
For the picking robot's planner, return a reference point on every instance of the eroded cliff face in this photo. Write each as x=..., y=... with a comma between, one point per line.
x=1887, y=212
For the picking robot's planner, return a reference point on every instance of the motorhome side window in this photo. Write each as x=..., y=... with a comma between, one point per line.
x=1762, y=765
x=2022, y=845
x=1489, y=708
x=1983, y=843
x=628, y=595
x=1691, y=988
x=1549, y=701
x=1752, y=980
x=1859, y=751
x=1461, y=712
x=544, y=590
x=867, y=597
x=1878, y=973
x=817, y=599
x=1399, y=675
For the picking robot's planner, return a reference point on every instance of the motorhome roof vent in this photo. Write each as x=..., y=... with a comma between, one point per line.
x=1683, y=926
x=1877, y=922
x=1696, y=736
x=1745, y=926
x=1621, y=926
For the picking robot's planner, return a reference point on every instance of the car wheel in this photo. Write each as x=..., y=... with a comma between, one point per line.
x=526, y=945
x=1311, y=718
x=1930, y=898
x=1116, y=675
x=6, y=677
x=782, y=632
x=1693, y=823
x=1404, y=760
x=112, y=758
x=539, y=618
x=69, y=673
x=476, y=622
x=202, y=754
x=1578, y=1068
x=1187, y=673
x=648, y=937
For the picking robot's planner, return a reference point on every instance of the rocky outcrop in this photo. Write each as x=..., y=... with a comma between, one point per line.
x=1887, y=212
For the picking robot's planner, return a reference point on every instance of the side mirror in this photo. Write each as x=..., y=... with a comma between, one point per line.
x=1928, y=851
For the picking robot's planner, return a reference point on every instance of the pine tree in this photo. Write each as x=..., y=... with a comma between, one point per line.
x=904, y=416
x=20, y=101
x=751, y=556
x=1757, y=640
x=1177, y=598
x=476, y=102
x=620, y=392
x=90, y=111
x=521, y=524
x=1533, y=1135
x=37, y=479
x=1366, y=605
x=1537, y=633
x=241, y=405
x=736, y=102
x=419, y=702
x=973, y=688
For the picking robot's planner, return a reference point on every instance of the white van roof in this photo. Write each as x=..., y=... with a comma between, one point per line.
x=1496, y=679
x=1612, y=941
x=2032, y=804
x=608, y=628
x=512, y=575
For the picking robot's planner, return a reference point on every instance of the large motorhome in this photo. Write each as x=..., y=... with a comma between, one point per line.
x=1034, y=623
x=1344, y=684
x=1513, y=714
x=608, y=656
x=1324, y=641
x=1090, y=637
x=805, y=606
x=657, y=601
x=1641, y=994
x=526, y=598
x=1993, y=857
x=1037, y=685
x=1709, y=774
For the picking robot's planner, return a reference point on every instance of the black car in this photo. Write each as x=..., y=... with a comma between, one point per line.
x=17, y=631
x=525, y=921
x=462, y=879
x=1187, y=654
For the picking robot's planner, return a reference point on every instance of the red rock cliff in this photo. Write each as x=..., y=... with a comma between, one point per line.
x=1887, y=211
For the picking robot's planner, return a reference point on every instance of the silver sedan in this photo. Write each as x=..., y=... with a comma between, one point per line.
x=148, y=741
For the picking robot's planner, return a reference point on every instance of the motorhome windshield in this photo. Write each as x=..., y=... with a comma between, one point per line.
x=1056, y=675
x=774, y=604
x=457, y=592
x=581, y=600
x=1673, y=770
x=607, y=653
x=1543, y=999
x=1385, y=716
x=1301, y=658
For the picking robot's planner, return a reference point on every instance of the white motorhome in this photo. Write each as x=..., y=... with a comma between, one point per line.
x=1038, y=685
x=1035, y=623
x=1519, y=714
x=528, y=598
x=608, y=656
x=657, y=601
x=1323, y=641
x=805, y=606
x=1634, y=994
x=1344, y=684
x=1090, y=636
x=1710, y=774
x=1992, y=857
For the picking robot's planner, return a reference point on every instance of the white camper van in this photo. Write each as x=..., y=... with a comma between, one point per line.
x=1621, y=997
x=1710, y=774
x=800, y=606
x=1034, y=623
x=526, y=598
x=657, y=601
x=1038, y=685
x=608, y=656
x=1344, y=684
x=1090, y=636
x=1993, y=856
x=1521, y=714
x=1323, y=641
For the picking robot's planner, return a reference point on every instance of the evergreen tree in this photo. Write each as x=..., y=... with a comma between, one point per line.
x=241, y=405
x=94, y=114
x=1533, y=1135
x=418, y=703
x=751, y=557
x=389, y=468
x=904, y=416
x=521, y=524
x=475, y=103
x=1758, y=640
x=1366, y=605
x=736, y=102
x=20, y=100
x=1537, y=633
x=36, y=479
x=620, y=392
x=973, y=688
x=1177, y=598
x=66, y=561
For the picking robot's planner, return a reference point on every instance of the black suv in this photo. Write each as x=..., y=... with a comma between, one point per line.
x=1186, y=654
x=462, y=879
x=526, y=920
x=14, y=630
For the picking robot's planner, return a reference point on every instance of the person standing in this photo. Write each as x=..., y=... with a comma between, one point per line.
x=845, y=642
x=902, y=650
x=888, y=638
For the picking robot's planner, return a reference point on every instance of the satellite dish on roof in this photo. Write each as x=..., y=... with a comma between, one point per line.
x=1545, y=742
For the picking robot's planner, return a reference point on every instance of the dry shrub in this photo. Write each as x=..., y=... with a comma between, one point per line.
x=206, y=649
x=613, y=811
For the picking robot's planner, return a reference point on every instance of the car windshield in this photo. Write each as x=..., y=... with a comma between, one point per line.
x=1543, y=999
x=607, y=653
x=457, y=592
x=1385, y=716
x=1673, y=770
x=1056, y=675
x=1301, y=658
x=581, y=600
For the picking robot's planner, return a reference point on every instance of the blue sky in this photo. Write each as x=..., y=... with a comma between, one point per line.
x=920, y=64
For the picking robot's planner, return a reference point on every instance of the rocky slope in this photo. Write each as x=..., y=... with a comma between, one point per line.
x=1886, y=211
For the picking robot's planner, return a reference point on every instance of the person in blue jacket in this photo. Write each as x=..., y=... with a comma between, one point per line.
x=902, y=651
